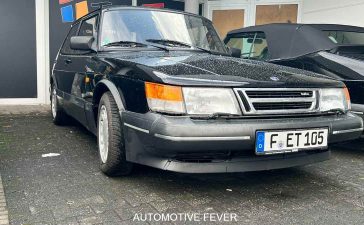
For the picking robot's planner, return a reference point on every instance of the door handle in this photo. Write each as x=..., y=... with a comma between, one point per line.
x=68, y=61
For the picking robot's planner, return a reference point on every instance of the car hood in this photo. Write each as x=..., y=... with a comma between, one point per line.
x=203, y=69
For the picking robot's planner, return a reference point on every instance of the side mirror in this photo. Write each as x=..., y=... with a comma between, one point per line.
x=235, y=52
x=81, y=42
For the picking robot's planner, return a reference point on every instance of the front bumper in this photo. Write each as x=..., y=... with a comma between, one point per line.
x=188, y=145
x=358, y=109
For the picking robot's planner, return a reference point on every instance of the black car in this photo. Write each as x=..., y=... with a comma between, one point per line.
x=159, y=88
x=333, y=50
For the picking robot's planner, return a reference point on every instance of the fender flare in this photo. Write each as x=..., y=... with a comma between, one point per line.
x=52, y=80
x=115, y=93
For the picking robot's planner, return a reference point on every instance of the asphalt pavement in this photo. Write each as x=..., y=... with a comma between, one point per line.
x=50, y=176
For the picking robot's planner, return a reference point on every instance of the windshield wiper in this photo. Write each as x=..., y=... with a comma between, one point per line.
x=173, y=43
x=169, y=43
x=126, y=44
x=133, y=44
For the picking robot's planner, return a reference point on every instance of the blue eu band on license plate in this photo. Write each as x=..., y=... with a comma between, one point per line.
x=260, y=142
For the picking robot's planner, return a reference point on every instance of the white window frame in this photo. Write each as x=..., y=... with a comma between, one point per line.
x=210, y=6
x=278, y=2
x=249, y=6
x=42, y=59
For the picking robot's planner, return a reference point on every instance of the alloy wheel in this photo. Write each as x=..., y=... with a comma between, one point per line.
x=54, y=103
x=103, y=134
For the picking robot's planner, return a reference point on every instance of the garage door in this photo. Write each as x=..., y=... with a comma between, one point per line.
x=227, y=20
x=286, y=13
x=18, y=71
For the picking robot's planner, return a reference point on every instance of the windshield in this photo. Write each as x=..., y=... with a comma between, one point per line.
x=146, y=26
x=345, y=37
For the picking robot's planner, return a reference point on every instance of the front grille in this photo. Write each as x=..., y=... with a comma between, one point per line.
x=283, y=105
x=277, y=101
x=279, y=94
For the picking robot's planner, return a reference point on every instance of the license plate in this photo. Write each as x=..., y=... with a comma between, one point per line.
x=275, y=142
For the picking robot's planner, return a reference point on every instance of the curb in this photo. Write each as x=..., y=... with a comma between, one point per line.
x=4, y=219
x=24, y=109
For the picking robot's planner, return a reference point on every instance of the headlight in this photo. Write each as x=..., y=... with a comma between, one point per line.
x=207, y=101
x=334, y=98
x=195, y=101
x=164, y=98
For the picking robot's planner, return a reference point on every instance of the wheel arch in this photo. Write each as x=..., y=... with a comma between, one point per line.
x=104, y=86
x=51, y=82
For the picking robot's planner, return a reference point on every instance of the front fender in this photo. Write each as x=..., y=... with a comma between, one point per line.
x=106, y=84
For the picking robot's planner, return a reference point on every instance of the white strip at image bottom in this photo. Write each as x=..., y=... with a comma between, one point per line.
x=4, y=218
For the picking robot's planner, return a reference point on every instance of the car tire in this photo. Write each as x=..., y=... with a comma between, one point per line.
x=58, y=115
x=110, y=138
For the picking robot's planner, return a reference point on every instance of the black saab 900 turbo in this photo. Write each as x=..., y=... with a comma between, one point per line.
x=333, y=50
x=159, y=88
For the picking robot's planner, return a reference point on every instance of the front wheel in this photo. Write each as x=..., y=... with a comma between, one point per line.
x=111, y=139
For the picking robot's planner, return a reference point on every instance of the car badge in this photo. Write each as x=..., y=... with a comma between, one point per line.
x=305, y=94
x=274, y=78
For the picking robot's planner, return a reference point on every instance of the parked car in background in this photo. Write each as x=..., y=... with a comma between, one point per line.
x=159, y=88
x=336, y=51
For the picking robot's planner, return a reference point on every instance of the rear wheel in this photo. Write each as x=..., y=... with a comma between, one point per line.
x=58, y=115
x=111, y=139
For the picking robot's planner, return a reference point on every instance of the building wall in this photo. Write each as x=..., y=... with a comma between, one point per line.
x=178, y=5
x=18, y=77
x=348, y=12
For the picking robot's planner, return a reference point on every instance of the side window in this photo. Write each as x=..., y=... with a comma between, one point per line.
x=66, y=49
x=252, y=45
x=88, y=27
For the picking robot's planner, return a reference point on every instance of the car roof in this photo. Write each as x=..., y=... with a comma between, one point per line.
x=123, y=7
x=298, y=25
x=289, y=40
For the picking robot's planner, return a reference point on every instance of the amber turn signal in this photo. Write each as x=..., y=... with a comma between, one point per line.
x=347, y=97
x=347, y=94
x=163, y=92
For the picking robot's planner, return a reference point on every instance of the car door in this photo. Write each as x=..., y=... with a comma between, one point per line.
x=61, y=67
x=74, y=71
